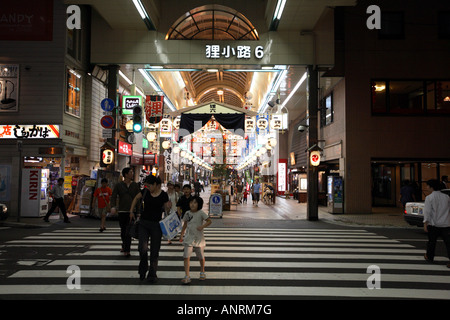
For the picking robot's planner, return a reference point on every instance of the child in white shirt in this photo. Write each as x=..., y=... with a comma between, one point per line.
x=194, y=240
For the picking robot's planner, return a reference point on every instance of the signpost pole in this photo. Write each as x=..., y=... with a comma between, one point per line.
x=312, y=139
x=113, y=84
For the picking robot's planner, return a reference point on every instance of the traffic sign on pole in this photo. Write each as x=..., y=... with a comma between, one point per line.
x=107, y=104
x=107, y=122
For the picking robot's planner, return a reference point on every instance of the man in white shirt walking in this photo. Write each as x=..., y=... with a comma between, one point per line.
x=436, y=219
x=58, y=201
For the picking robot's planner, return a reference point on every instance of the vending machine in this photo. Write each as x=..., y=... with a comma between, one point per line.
x=34, y=196
x=335, y=193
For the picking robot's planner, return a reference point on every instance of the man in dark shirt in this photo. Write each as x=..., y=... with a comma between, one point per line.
x=183, y=202
x=126, y=190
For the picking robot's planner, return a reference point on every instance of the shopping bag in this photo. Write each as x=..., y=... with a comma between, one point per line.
x=170, y=226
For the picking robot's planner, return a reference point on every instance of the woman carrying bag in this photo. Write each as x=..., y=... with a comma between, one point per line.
x=155, y=201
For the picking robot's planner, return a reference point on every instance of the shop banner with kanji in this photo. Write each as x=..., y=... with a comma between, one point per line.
x=17, y=131
x=154, y=108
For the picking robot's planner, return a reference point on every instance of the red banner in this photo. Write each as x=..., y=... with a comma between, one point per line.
x=154, y=108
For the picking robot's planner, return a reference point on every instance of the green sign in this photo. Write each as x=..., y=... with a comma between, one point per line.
x=129, y=102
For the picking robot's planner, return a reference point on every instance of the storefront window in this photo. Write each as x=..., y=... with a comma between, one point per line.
x=379, y=96
x=438, y=97
x=406, y=97
x=444, y=170
x=428, y=172
x=73, y=93
x=326, y=114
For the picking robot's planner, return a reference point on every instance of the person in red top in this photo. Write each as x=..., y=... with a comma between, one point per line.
x=102, y=195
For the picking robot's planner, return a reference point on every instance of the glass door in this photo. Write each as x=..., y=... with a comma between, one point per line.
x=383, y=185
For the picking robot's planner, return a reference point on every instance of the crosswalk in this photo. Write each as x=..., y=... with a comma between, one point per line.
x=240, y=263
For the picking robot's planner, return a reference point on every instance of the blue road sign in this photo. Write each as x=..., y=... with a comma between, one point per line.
x=107, y=104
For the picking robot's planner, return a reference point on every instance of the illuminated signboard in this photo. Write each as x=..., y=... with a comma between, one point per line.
x=18, y=131
x=125, y=148
x=217, y=51
x=129, y=102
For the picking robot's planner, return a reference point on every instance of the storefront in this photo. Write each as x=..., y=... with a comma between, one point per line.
x=389, y=175
x=30, y=162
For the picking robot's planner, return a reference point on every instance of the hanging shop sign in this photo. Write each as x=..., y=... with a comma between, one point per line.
x=129, y=102
x=249, y=125
x=165, y=127
x=315, y=158
x=154, y=108
x=217, y=51
x=107, y=156
x=18, y=131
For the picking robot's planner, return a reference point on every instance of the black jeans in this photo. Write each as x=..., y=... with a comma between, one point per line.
x=433, y=234
x=58, y=202
x=149, y=230
x=124, y=221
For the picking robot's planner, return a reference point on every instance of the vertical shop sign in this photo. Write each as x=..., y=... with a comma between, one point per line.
x=168, y=161
x=154, y=108
x=281, y=176
x=30, y=188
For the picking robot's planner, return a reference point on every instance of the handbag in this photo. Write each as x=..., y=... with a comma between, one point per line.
x=133, y=229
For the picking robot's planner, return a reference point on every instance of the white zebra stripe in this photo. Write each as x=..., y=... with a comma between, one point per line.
x=231, y=291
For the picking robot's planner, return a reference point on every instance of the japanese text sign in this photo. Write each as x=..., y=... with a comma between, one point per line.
x=34, y=131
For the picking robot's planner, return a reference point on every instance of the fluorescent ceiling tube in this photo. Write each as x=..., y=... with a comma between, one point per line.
x=140, y=8
x=125, y=77
x=299, y=83
x=279, y=9
x=144, y=15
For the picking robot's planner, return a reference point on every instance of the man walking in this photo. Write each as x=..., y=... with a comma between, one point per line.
x=436, y=219
x=58, y=201
x=126, y=190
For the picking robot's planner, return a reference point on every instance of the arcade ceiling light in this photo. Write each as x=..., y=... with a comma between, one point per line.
x=277, y=15
x=144, y=15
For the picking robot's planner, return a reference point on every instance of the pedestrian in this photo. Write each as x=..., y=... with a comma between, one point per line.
x=256, y=192
x=57, y=193
x=245, y=195
x=183, y=201
x=127, y=191
x=193, y=238
x=239, y=189
x=155, y=201
x=103, y=195
x=406, y=193
x=436, y=219
x=197, y=188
